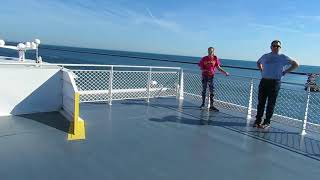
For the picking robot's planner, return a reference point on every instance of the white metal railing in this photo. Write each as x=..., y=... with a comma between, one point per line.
x=105, y=83
x=115, y=82
x=295, y=106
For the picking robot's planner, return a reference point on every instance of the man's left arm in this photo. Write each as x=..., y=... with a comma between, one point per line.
x=294, y=65
x=222, y=70
x=218, y=66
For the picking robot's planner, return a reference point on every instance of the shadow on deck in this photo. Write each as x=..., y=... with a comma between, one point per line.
x=285, y=137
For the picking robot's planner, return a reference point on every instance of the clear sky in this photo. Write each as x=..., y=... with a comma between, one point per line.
x=238, y=29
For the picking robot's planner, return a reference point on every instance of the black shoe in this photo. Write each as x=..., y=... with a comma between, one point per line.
x=255, y=125
x=212, y=108
x=202, y=106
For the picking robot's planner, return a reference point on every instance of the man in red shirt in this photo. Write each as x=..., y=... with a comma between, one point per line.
x=208, y=64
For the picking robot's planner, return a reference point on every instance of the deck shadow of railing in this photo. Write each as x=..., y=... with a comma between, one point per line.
x=183, y=120
x=287, y=139
x=51, y=119
x=292, y=141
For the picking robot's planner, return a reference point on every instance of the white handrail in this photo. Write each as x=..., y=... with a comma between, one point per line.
x=92, y=65
x=240, y=76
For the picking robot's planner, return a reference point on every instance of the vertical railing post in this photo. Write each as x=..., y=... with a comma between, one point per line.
x=110, y=85
x=250, y=100
x=305, y=119
x=37, y=54
x=149, y=83
x=180, y=90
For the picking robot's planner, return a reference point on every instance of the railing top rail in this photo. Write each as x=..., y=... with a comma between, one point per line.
x=245, y=77
x=256, y=69
x=123, y=66
x=90, y=65
x=81, y=70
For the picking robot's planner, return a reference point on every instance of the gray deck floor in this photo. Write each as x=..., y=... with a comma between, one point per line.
x=134, y=140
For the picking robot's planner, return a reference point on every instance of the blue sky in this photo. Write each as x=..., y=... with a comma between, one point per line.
x=238, y=29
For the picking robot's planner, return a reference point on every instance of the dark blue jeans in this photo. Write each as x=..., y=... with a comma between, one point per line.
x=268, y=89
x=205, y=82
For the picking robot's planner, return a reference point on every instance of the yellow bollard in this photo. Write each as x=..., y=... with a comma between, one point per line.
x=77, y=127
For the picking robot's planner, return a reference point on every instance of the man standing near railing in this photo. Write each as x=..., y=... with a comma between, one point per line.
x=272, y=67
x=208, y=64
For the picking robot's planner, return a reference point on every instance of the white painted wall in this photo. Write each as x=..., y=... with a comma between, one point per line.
x=68, y=91
x=30, y=89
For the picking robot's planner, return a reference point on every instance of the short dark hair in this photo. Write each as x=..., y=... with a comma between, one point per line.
x=210, y=47
x=276, y=41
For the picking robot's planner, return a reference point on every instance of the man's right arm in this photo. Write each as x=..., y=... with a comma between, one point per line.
x=259, y=65
x=201, y=64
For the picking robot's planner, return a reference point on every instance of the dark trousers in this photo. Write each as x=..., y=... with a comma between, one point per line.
x=207, y=80
x=268, y=89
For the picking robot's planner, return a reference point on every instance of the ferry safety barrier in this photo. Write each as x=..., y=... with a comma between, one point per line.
x=127, y=82
x=295, y=106
x=104, y=83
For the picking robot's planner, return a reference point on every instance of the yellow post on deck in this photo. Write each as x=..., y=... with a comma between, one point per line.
x=77, y=127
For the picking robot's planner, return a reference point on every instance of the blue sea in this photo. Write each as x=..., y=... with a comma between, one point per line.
x=66, y=55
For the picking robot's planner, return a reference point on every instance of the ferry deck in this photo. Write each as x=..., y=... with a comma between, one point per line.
x=139, y=138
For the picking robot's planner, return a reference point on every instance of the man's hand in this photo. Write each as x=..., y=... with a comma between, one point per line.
x=284, y=73
x=260, y=67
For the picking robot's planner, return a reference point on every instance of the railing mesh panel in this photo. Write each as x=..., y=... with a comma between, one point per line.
x=166, y=84
x=230, y=92
x=314, y=112
x=95, y=84
x=90, y=80
x=290, y=105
